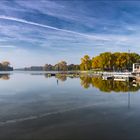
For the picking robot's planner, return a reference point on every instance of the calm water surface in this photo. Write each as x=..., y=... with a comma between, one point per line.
x=37, y=107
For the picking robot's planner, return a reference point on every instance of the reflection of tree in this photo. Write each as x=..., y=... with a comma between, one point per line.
x=4, y=76
x=47, y=75
x=61, y=77
x=85, y=81
x=108, y=85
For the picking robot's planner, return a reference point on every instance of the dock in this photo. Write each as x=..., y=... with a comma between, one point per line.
x=118, y=76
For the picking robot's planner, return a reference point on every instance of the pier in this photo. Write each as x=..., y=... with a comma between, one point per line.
x=118, y=76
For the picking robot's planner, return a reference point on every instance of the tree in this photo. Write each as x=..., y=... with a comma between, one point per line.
x=122, y=61
x=73, y=67
x=133, y=58
x=48, y=67
x=105, y=60
x=5, y=66
x=115, y=56
x=96, y=63
x=85, y=63
x=61, y=66
x=5, y=63
x=110, y=61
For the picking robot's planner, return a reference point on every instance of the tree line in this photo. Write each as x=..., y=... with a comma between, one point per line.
x=110, y=61
x=61, y=66
x=107, y=61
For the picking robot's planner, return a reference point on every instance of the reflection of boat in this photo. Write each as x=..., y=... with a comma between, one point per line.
x=124, y=78
x=106, y=77
x=134, y=83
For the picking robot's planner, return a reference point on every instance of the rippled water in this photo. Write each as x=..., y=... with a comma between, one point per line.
x=38, y=107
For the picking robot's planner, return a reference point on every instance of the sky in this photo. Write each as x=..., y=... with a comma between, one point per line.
x=36, y=32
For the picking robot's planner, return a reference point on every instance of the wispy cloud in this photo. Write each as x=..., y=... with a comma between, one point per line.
x=41, y=25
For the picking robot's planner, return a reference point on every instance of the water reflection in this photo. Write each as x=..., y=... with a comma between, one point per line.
x=91, y=81
x=61, y=77
x=4, y=76
x=36, y=102
x=108, y=85
x=103, y=85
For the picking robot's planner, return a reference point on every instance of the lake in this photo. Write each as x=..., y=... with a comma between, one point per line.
x=34, y=106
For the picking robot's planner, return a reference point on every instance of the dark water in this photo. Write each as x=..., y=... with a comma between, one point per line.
x=37, y=107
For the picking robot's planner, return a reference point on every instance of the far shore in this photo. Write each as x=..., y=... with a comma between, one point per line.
x=90, y=72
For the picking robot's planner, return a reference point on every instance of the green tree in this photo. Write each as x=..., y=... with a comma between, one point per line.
x=61, y=66
x=96, y=63
x=105, y=60
x=85, y=63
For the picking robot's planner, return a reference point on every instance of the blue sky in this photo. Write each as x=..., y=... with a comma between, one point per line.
x=35, y=32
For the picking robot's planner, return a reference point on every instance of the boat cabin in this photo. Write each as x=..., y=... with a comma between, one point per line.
x=136, y=68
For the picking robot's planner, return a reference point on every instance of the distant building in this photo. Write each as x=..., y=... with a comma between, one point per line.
x=136, y=67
